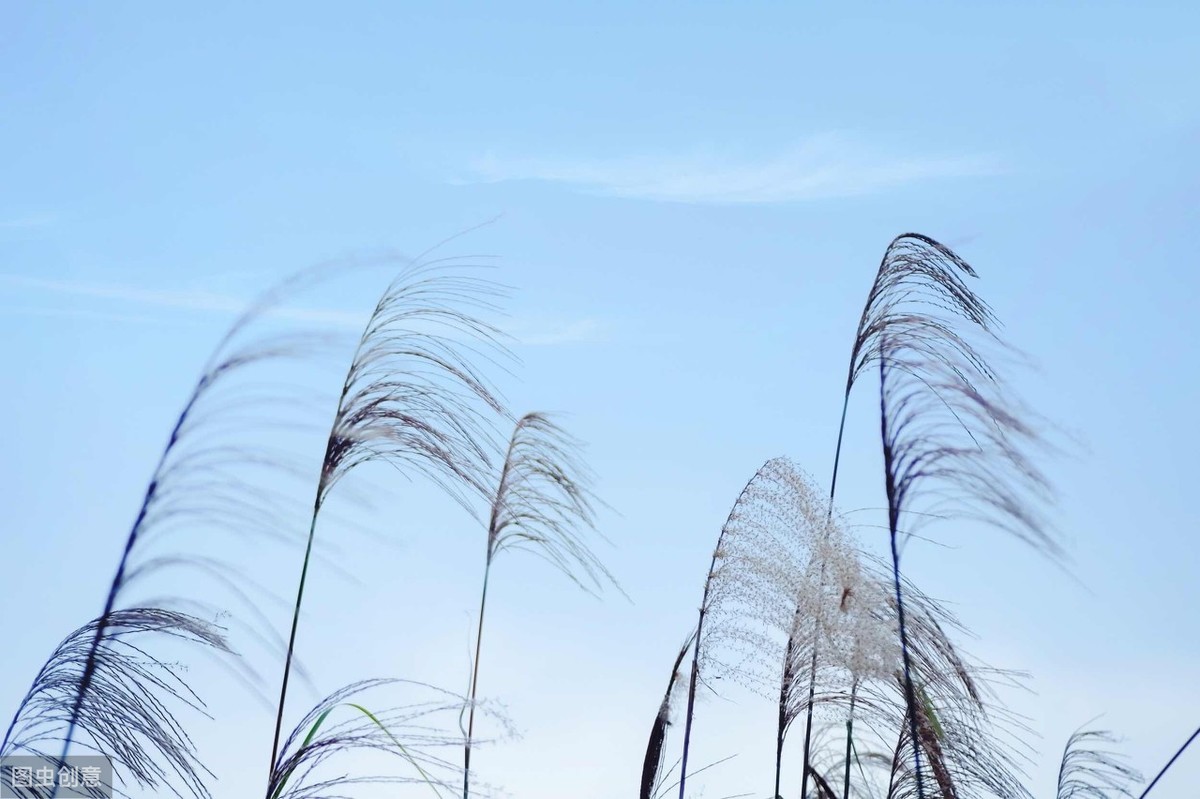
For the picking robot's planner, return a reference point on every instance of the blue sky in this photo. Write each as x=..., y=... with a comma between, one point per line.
x=692, y=202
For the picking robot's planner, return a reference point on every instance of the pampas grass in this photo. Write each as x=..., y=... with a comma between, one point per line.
x=411, y=398
x=130, y=701
x=543, y=503
x=99, y=683
x=412, y=735
x=758, y=554
x=947, y=428
x=1090, y=770
x=792, y=608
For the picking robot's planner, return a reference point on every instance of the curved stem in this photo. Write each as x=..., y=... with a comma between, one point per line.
x=837, y=452
x=89, y=666
x=849, y=741
x=691, y=700
x=812, y=693
x=287, y=664
x=812, y=685
x=909, y=694
x=474, y=685
x=1170, y=763
x=781, y=730
x=695, y=673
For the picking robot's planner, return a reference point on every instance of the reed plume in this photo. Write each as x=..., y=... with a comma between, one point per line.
x=542, y=503
x=968, y=742
x=753, y=576
x=342, y=724
x=947, y=427
x=962, y=752
x=411, y=398
x=917, y=282
x=861, y=652
x=1090, y=771
x=831, y=630
x=129, y=710
x=97, y=663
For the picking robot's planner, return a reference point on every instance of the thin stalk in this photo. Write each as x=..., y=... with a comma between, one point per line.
x=89, y=667
x=909, y=692
x=318, y=502
x=812, y=684
x=287, y=664
x=474, y=685
x=695, y=672
x=849, y=740
x=837, y=452
x=812, y=693
x=781, y=731
x=893, y=498
x=691, y=700
x=861, y=771
x=1170, y=763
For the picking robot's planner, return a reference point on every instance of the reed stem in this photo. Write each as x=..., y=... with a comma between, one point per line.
x=287, y=664
x=909, y=693
x=849, y=741
x=474, y=685
x=1170, y=763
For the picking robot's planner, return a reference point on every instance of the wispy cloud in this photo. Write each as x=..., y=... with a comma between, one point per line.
x=543, y=332
x=192, y=300
x=25, y=222
x=80, y=313
x=528, y=331
x=821, y=167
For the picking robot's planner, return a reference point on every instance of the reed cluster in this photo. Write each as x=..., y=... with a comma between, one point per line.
x=793, y=608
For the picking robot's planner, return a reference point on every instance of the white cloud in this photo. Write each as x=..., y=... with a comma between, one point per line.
x=530, y=332
x=193, y=300
x=79, y=313
x=551, y=332
x=821, y=167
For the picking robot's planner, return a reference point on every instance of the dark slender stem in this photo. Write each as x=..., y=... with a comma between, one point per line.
x=909, y=694
x=812, y=684
x=849, y=741
x=89, y=666
x=781, y=730
x=691, y=701
x=323, y=482
x=837, y=452
x=812, y=693
x=894, y=502
x=695, y=673
x=287, y=664
x=1170, y=763
x=474, y=685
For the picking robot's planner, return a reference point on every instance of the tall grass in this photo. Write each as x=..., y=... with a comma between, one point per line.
x=411, y=398
x=792, y=607
x=755, y=560
x=652, y=772
x=104, y=681
x=410, y=735
x=946, y=426
x=542, y=503
x=1088, y=771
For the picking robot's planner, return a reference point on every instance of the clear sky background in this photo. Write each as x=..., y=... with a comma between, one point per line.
x=693, y=202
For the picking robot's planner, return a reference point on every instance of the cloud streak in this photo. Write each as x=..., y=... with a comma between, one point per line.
x=191, y=300
x=822, y=167
x=543, y=333
x=26, y=222
x=528, y=332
